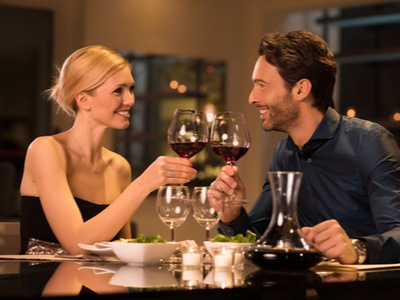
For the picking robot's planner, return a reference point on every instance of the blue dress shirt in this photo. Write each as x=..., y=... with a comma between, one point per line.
x=351, y=173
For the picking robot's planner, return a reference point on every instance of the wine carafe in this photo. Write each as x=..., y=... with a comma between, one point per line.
x=282, y=245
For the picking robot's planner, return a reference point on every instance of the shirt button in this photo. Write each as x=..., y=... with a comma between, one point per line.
x=309, y=160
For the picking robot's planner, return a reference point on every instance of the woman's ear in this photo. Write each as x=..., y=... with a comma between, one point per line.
x=302, y=89
x=82, y=101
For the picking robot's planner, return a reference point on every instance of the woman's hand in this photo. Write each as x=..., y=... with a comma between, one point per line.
x=228, y=183
x=332, y=241
x=168, y=170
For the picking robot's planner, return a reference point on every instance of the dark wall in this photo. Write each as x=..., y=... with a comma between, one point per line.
x=25, y=68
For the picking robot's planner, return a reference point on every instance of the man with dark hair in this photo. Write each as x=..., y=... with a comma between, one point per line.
x=349, y=199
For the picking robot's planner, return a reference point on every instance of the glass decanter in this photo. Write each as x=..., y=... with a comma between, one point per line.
x=282, y=245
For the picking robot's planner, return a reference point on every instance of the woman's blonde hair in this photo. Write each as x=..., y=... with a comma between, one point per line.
x=84, y=70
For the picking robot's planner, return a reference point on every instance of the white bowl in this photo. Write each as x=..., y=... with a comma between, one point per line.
x=143, y=253
x=210, y=245
x=139, y=277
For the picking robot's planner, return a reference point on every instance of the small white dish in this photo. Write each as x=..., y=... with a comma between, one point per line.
x=143, y=253
x=103, y=248
x=211, y=245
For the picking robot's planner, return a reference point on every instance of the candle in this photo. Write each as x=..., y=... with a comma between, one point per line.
x=223, y=257
x=222, y=260
x=191, y=256
x=191, y=259
x=238, y=261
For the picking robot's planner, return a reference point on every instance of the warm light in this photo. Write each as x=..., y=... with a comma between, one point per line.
x=182, y=88
x=351, y=112
x=210, y=117
x=174, y=84
x=396, y=117
x=209, y=109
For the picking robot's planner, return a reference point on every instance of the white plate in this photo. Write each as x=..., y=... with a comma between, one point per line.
x=210, y=245
x=103, y=248
x=143, y=253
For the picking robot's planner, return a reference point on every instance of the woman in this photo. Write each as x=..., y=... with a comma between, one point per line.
x=73, y=189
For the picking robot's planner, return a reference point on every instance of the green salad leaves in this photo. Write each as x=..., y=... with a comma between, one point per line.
x=148, y=239
x=250, y=237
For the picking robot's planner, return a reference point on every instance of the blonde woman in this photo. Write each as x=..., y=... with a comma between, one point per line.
x=73, y=189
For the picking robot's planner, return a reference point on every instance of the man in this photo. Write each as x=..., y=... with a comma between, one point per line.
x=349, y=200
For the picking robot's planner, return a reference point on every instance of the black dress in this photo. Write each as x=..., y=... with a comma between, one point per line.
x=34, y=223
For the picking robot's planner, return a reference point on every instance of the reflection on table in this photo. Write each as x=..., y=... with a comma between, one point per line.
x=77, y=278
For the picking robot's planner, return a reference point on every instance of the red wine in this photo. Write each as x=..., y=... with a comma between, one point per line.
x=187, y=150
x=283, y=259
x=229, y=154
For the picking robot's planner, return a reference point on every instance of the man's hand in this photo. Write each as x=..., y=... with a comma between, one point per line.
x=228, y=183
x=332, y=241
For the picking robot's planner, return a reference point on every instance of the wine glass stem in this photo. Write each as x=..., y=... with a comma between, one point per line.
x=207, y=234
x=231, y=163
x=179, y=192
x=172, y=235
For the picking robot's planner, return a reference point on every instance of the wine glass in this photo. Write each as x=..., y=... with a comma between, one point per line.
x=173, y=206
x=230, y=139
x=188, y=132
x=205, y=215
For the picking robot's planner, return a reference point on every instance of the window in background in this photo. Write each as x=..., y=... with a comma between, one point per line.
x=369, y=62
x=163, y=84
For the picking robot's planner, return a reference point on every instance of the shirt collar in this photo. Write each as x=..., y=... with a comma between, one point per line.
x=325, y=131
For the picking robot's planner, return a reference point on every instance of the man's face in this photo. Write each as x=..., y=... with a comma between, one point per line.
x=278, y=110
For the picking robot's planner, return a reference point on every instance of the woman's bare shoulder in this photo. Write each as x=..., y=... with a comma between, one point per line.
x=119, y=162
x=44, y=156
x=42, y=143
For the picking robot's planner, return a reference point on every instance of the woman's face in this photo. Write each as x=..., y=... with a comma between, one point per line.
x=111, y=102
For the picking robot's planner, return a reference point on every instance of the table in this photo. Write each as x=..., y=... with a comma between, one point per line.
x=116, y=280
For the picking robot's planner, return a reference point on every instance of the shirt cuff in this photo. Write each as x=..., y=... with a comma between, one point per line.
x=240, y=225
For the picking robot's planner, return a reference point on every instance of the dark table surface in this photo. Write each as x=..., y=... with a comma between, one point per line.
x=34, y=279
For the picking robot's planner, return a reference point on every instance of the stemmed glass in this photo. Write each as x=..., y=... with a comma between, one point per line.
x=173, y=206
x=205, y=215
x=188, y=132
x=230, y=139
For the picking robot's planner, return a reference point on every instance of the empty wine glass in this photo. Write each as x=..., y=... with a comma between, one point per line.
x=230, y=139
x=173, y=206
x=205, y=215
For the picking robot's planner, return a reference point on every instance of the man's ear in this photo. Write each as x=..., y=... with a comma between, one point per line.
x=82, y=101
x=302, y=89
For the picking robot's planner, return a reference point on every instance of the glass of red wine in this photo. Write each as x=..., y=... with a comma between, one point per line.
x=188, y=132
x=230, y=139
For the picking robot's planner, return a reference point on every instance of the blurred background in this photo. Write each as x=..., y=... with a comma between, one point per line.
x=184, y=54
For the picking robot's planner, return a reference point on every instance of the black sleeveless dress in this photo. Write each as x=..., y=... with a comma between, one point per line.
x=34, y=223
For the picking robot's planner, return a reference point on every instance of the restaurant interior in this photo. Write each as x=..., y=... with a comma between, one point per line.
x=185, y=54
